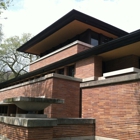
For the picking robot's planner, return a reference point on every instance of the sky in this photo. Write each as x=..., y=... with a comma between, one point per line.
x=33, y=16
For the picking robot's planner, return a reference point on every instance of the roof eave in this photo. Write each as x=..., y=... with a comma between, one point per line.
x=69, y=17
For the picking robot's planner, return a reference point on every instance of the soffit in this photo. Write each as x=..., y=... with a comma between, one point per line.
x=67, y=32
x=130, y=49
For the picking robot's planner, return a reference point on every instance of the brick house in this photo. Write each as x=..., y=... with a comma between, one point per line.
x=94, y=66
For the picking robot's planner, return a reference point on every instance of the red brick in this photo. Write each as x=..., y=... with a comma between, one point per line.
x=116, y=109
x=89, y=67
x=58, y=56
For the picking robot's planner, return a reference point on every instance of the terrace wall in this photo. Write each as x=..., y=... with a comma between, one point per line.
x=22, y=133
x=66, y=131
x=115, y=105
x=51, y=86
x=58, y=55
x=69, y=131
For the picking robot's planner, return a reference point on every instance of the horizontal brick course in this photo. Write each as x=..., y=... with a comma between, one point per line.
x=61, y=131
x=58, y=56
x=51, y=88
x=70, y=92
x=116, y=109
x=21, y=133
x=89, y=67
x=46, y=133
x=31, y=90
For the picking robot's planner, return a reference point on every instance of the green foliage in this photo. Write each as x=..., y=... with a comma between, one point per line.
x=4, y=4
x=13, y=63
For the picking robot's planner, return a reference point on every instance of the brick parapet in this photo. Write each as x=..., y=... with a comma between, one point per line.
x=113, y=80
x=63, y=128
x=89, y=67
x=62, y=131
x=114, y=103
x=11, y=132
x=51, y=86
x=60, y=54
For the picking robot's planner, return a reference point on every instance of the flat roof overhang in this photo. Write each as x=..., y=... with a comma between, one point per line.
x=128, y=44
x=131, y=49
x=65, y=28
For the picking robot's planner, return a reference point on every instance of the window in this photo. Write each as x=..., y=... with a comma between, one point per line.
x=96, y=38
x=71, y=70
x=3, y=109
x=61, y=71
x=94, y=42
x=104, y=39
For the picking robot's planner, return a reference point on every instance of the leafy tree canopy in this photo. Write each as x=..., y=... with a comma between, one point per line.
x=13, y=63
x=4, y=4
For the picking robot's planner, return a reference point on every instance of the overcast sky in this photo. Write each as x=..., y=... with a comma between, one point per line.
x=32, y=16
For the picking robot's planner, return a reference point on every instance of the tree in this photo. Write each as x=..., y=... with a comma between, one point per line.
x=13, y=63
x=4, y=4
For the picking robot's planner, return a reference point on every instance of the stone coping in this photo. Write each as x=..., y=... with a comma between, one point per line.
x=70, y=121
x=43, y=78
x=85, y=138
x=2, y=103
x=122, y=71
x=63, y=48
x=113, y=80
x=77, y=138
x=29, y=115
x=44, y=122
x=104, y=138
x=33, y=99
x=28, y=122
x=93, y=78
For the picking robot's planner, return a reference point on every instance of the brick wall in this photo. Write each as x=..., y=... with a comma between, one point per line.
x=89, y=67
x=33, y=90
x=52, y=88
x=40, y=133
x=116, y=109
x=121, y=63
x=46, y=133
x=62, y=131
x=22, y=133
x=70, y=92
x=58, y=56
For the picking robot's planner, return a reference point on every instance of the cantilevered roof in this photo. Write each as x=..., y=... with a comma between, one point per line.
x=129, y=44
x=70, y=25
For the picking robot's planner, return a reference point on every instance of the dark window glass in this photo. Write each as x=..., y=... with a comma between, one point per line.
x=139, y=63
x=71, y=70
x=61, y=71
x=94, y=42
x=52, y=72
x=94, y=38
x=3, y=109
x=104, y=39
x=41, y=112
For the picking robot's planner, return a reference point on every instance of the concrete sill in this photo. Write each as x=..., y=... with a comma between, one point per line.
x=121, y=72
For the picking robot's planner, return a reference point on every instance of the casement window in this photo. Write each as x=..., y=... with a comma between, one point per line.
x=104, y=39
x=61, y=71
x=71, y=70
